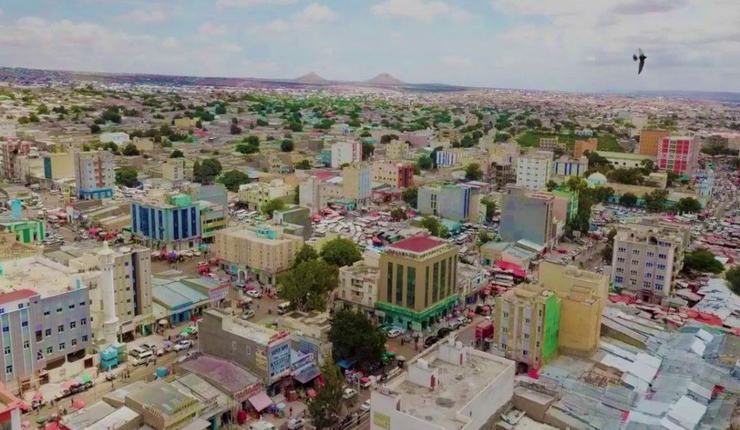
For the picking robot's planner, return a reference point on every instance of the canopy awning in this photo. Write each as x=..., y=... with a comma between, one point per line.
x=85, y=378
x=307, y=374
x=260, y=401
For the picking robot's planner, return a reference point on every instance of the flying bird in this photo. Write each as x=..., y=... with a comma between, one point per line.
x=639, y=56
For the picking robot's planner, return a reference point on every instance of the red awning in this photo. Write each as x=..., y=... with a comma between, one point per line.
x=514, y=268
x=78, y=404
x=260, y=401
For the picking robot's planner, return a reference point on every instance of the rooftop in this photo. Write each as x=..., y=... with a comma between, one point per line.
x=417, y=244
x=255, y=332
x=222, y=373
x=40, y=274
x=162, y=397
x=15, y=295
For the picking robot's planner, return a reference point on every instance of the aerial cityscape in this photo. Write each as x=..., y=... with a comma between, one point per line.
x=381, y=215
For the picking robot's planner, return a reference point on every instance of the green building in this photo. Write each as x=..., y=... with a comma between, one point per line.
x=29, y=232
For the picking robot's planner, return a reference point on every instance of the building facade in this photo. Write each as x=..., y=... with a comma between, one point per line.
x=527, y=215
x=565, y=166
x=171, y=222
x=395, y=174
x=650, y=140
x=173, y=169
x=256, y=194
x=356, y=182
x=534, y=170
x=582, y=145
x=458, y=202
x=417, y=284
x=358, y=287
x=94, y=175
x=678, y=154
x=345, y=153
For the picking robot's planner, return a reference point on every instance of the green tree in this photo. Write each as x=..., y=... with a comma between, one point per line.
x=628, y=200
x=306, y=253
x=435, y=227
x=733, y=278
x=126, y=176
x=672, y=177
x=220, y=109
x=655, y=200
x=130, y=150
x=94, y=129
x=368, y=149
x=269, y=207
x=177, y=154
x=287, y=145
x=702, y=260
x=303, y=165
x=484, y=237
x=551, y=185
x=398, y=214
x=473, y=172
x=688, y=205
x=232, y=179
x=326, y=407
x=206, y=171
x=42, y=109
x=648, y=166
x=490, y=208
x=235, y=129
x=340, y=252
x=354, y=337
x=602, y=194
x=425, y=162
x=308, y=284
x=410, y=196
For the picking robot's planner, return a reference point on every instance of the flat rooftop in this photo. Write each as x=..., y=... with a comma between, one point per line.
x=254, y=332
x=458, y=386
x=39, y=274
x=417, y=244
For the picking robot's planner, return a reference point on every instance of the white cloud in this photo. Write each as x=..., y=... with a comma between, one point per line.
x=248, y=3
x=147, y=15
x=316, y=13
x=312, y=14
x=421, y=10
x=209, y=29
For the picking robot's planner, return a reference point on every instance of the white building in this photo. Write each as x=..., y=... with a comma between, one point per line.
x=174, y=169
x=94, y=174
x=119, y=138
x=566, y=166
x=534, y=170
x=345, y=153
x=448, y=387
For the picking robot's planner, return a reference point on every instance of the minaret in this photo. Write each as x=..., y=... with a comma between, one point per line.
x=110, y=320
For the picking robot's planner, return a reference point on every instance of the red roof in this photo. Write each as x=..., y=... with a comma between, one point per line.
x=323, y=175
x=417, y=243
x=16, y=295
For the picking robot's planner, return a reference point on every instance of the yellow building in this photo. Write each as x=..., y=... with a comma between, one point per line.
x=417, y=282
x=356, y=183
x=144, y=144
x=58, y=165
x=649, y=140
x=174, y=169
x=256, y=194
x=583, y=295
x=259, y=253
x=397, y=150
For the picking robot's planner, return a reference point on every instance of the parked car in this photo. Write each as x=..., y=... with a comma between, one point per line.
x=149, y=347
x=249, y=313
x=349, y=393
x=365, y=406
x=394, y=332
x=295, y=424
x=139, y=356
x=431, y=340
x=253, y=293
x=443, y=332
x=182, y=345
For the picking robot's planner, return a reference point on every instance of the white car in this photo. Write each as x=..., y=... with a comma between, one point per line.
x=254, y=294
x=295, y=424
x=249, y=313
x=365, y=406
x=182, y=345
x=349, y=393
x=394, y=332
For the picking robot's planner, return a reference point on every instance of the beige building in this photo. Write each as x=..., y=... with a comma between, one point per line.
x=647, y=258
x=417, y=285
x=534, y=170
x=163, y=407
x=144, y=144
x=60, y=165
x=174, y=169
x=255, y=194
x=397, y=150
x=356, y=182
x=583, y=295
x=256, y=253
x=358, y=287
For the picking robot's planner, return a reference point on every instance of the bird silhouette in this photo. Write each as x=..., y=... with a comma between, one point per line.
x=641, y=57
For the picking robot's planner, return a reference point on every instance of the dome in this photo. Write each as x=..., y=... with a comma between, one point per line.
x=596, y=179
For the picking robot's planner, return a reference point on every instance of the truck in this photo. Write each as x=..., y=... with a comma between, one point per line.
x=483, y=330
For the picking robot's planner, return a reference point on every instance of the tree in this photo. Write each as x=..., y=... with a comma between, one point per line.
x=177, y=154
x=325, y=408
x=490, y=208
x=306, y=253
x=484, y=237
x=308, y=284
x=287, y=145
x=206, y=171
x=387, y=138
x=220, y=109
x=354, y=337
x=435, y=227
x=303, y=165
x=94, y=129
x=551, y=185
x=602, y=194
x=633, y=176
x=672, y=178
x=473, y=172
x=268, y=208
x=410, y=196
x=130, y=150
x=655, y=200
x=368, y=149
x=126, y=176
x=42, y=109
x=608, y=250
x=398, y=214
x=733, y=278
x=648, y=166
x=628, y=199
x=340, y=252
x=702, y=260
x=425, y=162
x=233, y=179
x=235, y=129
x=688, y=205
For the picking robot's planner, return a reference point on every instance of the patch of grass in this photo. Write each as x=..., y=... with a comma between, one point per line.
x=608, y=142
x=531, y=139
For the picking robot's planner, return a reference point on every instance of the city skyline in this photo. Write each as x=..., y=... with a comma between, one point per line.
x=571, y=45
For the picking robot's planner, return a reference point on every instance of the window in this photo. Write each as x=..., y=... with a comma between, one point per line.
x=636, y=252
x=73, y=324
x=72, y=306
x=83, y=321
x=20, y=305
x=661, y=266
x=648, y=264
x=618, y=279
x=74, y=342
x=7, y=350
x=47, y=332
x=49, y=349
x=26, y=344
x=9, y=369
x=435, y=282
x=662, y=256
x=59, y=310
x=389, y=282
x=82, y=303
x=60, y=328
x=24, y=323
x=46, y=312
x=650, y=254
x=410, y=286
x=61, y=346
x=399, y=284
x=622, y=249
x=620, y=259
x=84, y=338
x=6, y=329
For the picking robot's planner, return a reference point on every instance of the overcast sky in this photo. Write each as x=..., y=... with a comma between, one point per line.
x=539, y=44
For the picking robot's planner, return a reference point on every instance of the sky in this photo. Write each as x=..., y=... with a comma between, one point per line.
x=571, y=45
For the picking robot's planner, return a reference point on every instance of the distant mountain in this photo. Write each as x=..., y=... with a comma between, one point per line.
x=312, y=79
x=385, y=79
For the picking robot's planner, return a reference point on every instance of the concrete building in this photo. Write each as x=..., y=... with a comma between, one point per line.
x=345, y=153
x=650, y=140
x=94, y=175
x=417, y=282
x=261, y=350
x=534, y=170
x=625, y=160
x=256, y=253
x=358, y=287
x=309, y=334
x=551, y=143
x=583, y=145
x=528, y=215
x=163, y=406
x=28, y=231
x=10, y=410
x=502, y=158
x=448, y=387
x=397, y=150
x=393, y=173
x=117, y=138
x=45, y=317
x=295, y=220
x=173, y=169
x=647, y=259
x=566, y=166
x=170, y=221
x=457, y=202
x=316, y=191
x=678, y=154
x=583, y=295
x=255, y=194
x=59, y=165
x=527, y=324
x=10, y=151
x=212, y=218
x=356, y=182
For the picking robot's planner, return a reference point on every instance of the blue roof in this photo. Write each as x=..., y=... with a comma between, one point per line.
x=176, y=295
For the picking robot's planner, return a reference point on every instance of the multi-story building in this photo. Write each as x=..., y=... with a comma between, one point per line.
x=10, y=150
x=356, y=183
x=393, y=173
x=28, y=231
x=358, y=287
x=173, y=169
x=256, y=253
x=170, y=221
x=566, y=166
x=704, y=180
x=528, y=215
x=255, y=194
x=565, y=204
x=94, y=175
x=583, y=145
x=583, y=295
x=45, y=317
x=678, y=154
x=295, y=219
x=212, y=218
x=647, y=258
x=551, y=143
x=396, y=150
x=263, y=351
x=625, y=160
x=650, y=139
x=527, y=324
x=534, y=170
x=345, y=153
x=316, y=191
x=458, y=202
x=502, y=157
x=58, y=165
x=417, y=284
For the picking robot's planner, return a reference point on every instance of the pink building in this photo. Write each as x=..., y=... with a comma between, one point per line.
x=678, y=154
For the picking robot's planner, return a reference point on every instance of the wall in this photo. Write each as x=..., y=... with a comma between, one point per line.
x=489, y=402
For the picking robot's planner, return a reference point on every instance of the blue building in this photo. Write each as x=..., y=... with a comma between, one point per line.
x=172, y=223
x=457, y=202
x=565, y=166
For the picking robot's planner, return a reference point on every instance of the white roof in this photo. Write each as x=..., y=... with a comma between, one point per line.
x=686, y=412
